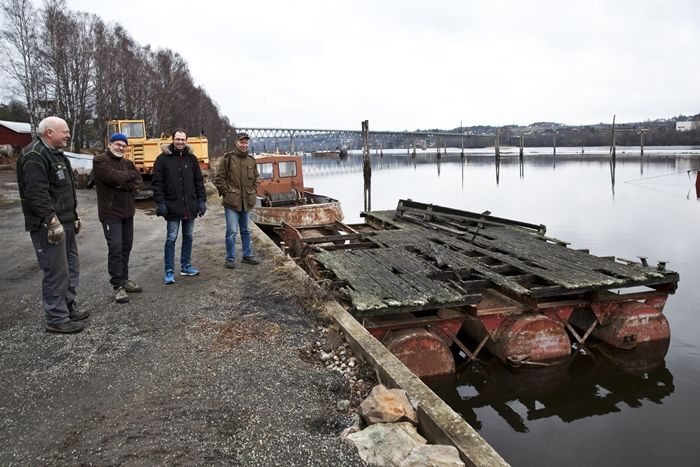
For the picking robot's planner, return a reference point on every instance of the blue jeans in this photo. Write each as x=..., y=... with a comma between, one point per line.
x=171, y=238
x=234, y=220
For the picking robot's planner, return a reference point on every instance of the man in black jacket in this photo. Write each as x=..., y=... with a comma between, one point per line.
x=116, y=181
x=178, y=190
x=47, y=191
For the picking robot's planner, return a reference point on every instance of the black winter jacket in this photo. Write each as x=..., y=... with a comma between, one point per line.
x=46, y=186
x=178, y=182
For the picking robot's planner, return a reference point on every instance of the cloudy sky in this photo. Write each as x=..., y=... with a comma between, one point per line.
x=407, y=65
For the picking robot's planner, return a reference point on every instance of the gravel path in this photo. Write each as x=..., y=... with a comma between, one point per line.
x=214, y=369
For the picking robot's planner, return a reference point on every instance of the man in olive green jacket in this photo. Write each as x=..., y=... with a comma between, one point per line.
x=237, y=181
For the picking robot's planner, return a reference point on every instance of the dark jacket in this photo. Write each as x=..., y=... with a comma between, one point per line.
x=237, y=180
x=46, y=186
x=116, y=180
x=178, y=182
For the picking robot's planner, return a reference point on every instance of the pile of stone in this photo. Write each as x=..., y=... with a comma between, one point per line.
x=391, y=437
x=336, y=355
x=385, y=428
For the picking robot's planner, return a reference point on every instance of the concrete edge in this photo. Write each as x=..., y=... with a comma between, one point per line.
x=438, y=422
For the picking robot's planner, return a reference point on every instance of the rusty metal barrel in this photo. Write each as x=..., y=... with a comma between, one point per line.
x=523, y=338
x=424, y=352
x=624, y=325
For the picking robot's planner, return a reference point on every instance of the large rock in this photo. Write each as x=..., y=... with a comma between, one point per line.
x=384, y=405
x=433, y=455
x=386, y=444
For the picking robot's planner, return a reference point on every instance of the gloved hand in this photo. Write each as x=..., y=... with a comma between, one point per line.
x=161, y=210
x=201, y=207
x=77, y=225
x=56, y=234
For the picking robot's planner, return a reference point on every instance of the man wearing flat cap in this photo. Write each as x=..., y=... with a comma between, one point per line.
x=116, y=181
x=237, y=182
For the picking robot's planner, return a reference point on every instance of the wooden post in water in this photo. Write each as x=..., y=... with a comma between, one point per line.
x=554, y=144
x=641, y=142
x=521, y=146
x=461, y=132
x=497, y=144
x=366, y=166
x=414, y=148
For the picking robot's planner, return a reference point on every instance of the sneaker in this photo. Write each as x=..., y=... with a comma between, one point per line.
x=230, y=263
x=169, y=277
x=120, y=295
x=133, y=287
x=189, y=270
x=250, y=260
x=69, y=327
x=76, y=314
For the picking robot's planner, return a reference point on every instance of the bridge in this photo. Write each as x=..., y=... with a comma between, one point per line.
x=316, y=139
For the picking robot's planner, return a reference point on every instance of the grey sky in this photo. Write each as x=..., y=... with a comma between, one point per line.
x=428, y=64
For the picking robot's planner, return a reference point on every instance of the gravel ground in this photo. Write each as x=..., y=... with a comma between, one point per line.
x=214, y=369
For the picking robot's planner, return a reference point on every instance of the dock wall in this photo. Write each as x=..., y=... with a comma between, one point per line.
x=438, y=422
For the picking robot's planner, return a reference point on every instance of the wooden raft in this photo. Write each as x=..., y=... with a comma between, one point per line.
x=425, y=257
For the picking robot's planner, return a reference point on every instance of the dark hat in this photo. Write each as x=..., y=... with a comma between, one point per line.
x=119, y=137
x=240, y=136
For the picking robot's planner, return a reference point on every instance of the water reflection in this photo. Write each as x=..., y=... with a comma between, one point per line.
x=612, y=175
x=354, y=163
x=498, y=170
x=592, y=383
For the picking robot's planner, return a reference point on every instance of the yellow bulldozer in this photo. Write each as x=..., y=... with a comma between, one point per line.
x=142, y=151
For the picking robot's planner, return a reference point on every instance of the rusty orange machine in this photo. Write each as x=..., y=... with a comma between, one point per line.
x=283, y=198
x=420, y=276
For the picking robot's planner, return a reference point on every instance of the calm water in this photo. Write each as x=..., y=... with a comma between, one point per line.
x=606, y=408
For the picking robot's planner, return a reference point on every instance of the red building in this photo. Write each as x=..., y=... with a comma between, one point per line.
x=15, y=133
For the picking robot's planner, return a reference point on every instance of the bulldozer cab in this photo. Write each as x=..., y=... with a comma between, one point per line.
x=142, y=151
x=131, y=128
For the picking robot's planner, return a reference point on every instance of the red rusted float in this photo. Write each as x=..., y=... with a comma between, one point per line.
x=521, y=338
x=423, y=352
x=623, y=325
x=421, y=343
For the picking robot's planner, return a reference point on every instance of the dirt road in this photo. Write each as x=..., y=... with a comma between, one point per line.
x=209, y=370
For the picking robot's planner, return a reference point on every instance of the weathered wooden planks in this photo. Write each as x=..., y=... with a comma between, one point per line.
x=440, y=258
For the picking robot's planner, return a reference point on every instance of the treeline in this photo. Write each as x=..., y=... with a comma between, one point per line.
x=655, y=134
x=73, y=65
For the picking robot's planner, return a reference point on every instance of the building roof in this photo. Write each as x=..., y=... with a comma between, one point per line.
x=17, y=127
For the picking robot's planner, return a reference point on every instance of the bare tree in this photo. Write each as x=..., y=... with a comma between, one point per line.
x=68, y=51
x=19, y=44
x=74, y=65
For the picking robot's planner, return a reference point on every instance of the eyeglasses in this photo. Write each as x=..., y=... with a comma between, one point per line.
x=120, y=145
x=179, y=139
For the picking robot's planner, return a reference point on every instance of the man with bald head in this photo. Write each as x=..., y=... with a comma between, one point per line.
x=47, y=191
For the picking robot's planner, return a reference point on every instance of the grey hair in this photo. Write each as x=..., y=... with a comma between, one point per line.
x=49, y=123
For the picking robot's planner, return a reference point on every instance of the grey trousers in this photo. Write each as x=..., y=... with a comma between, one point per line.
x=60, y=265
